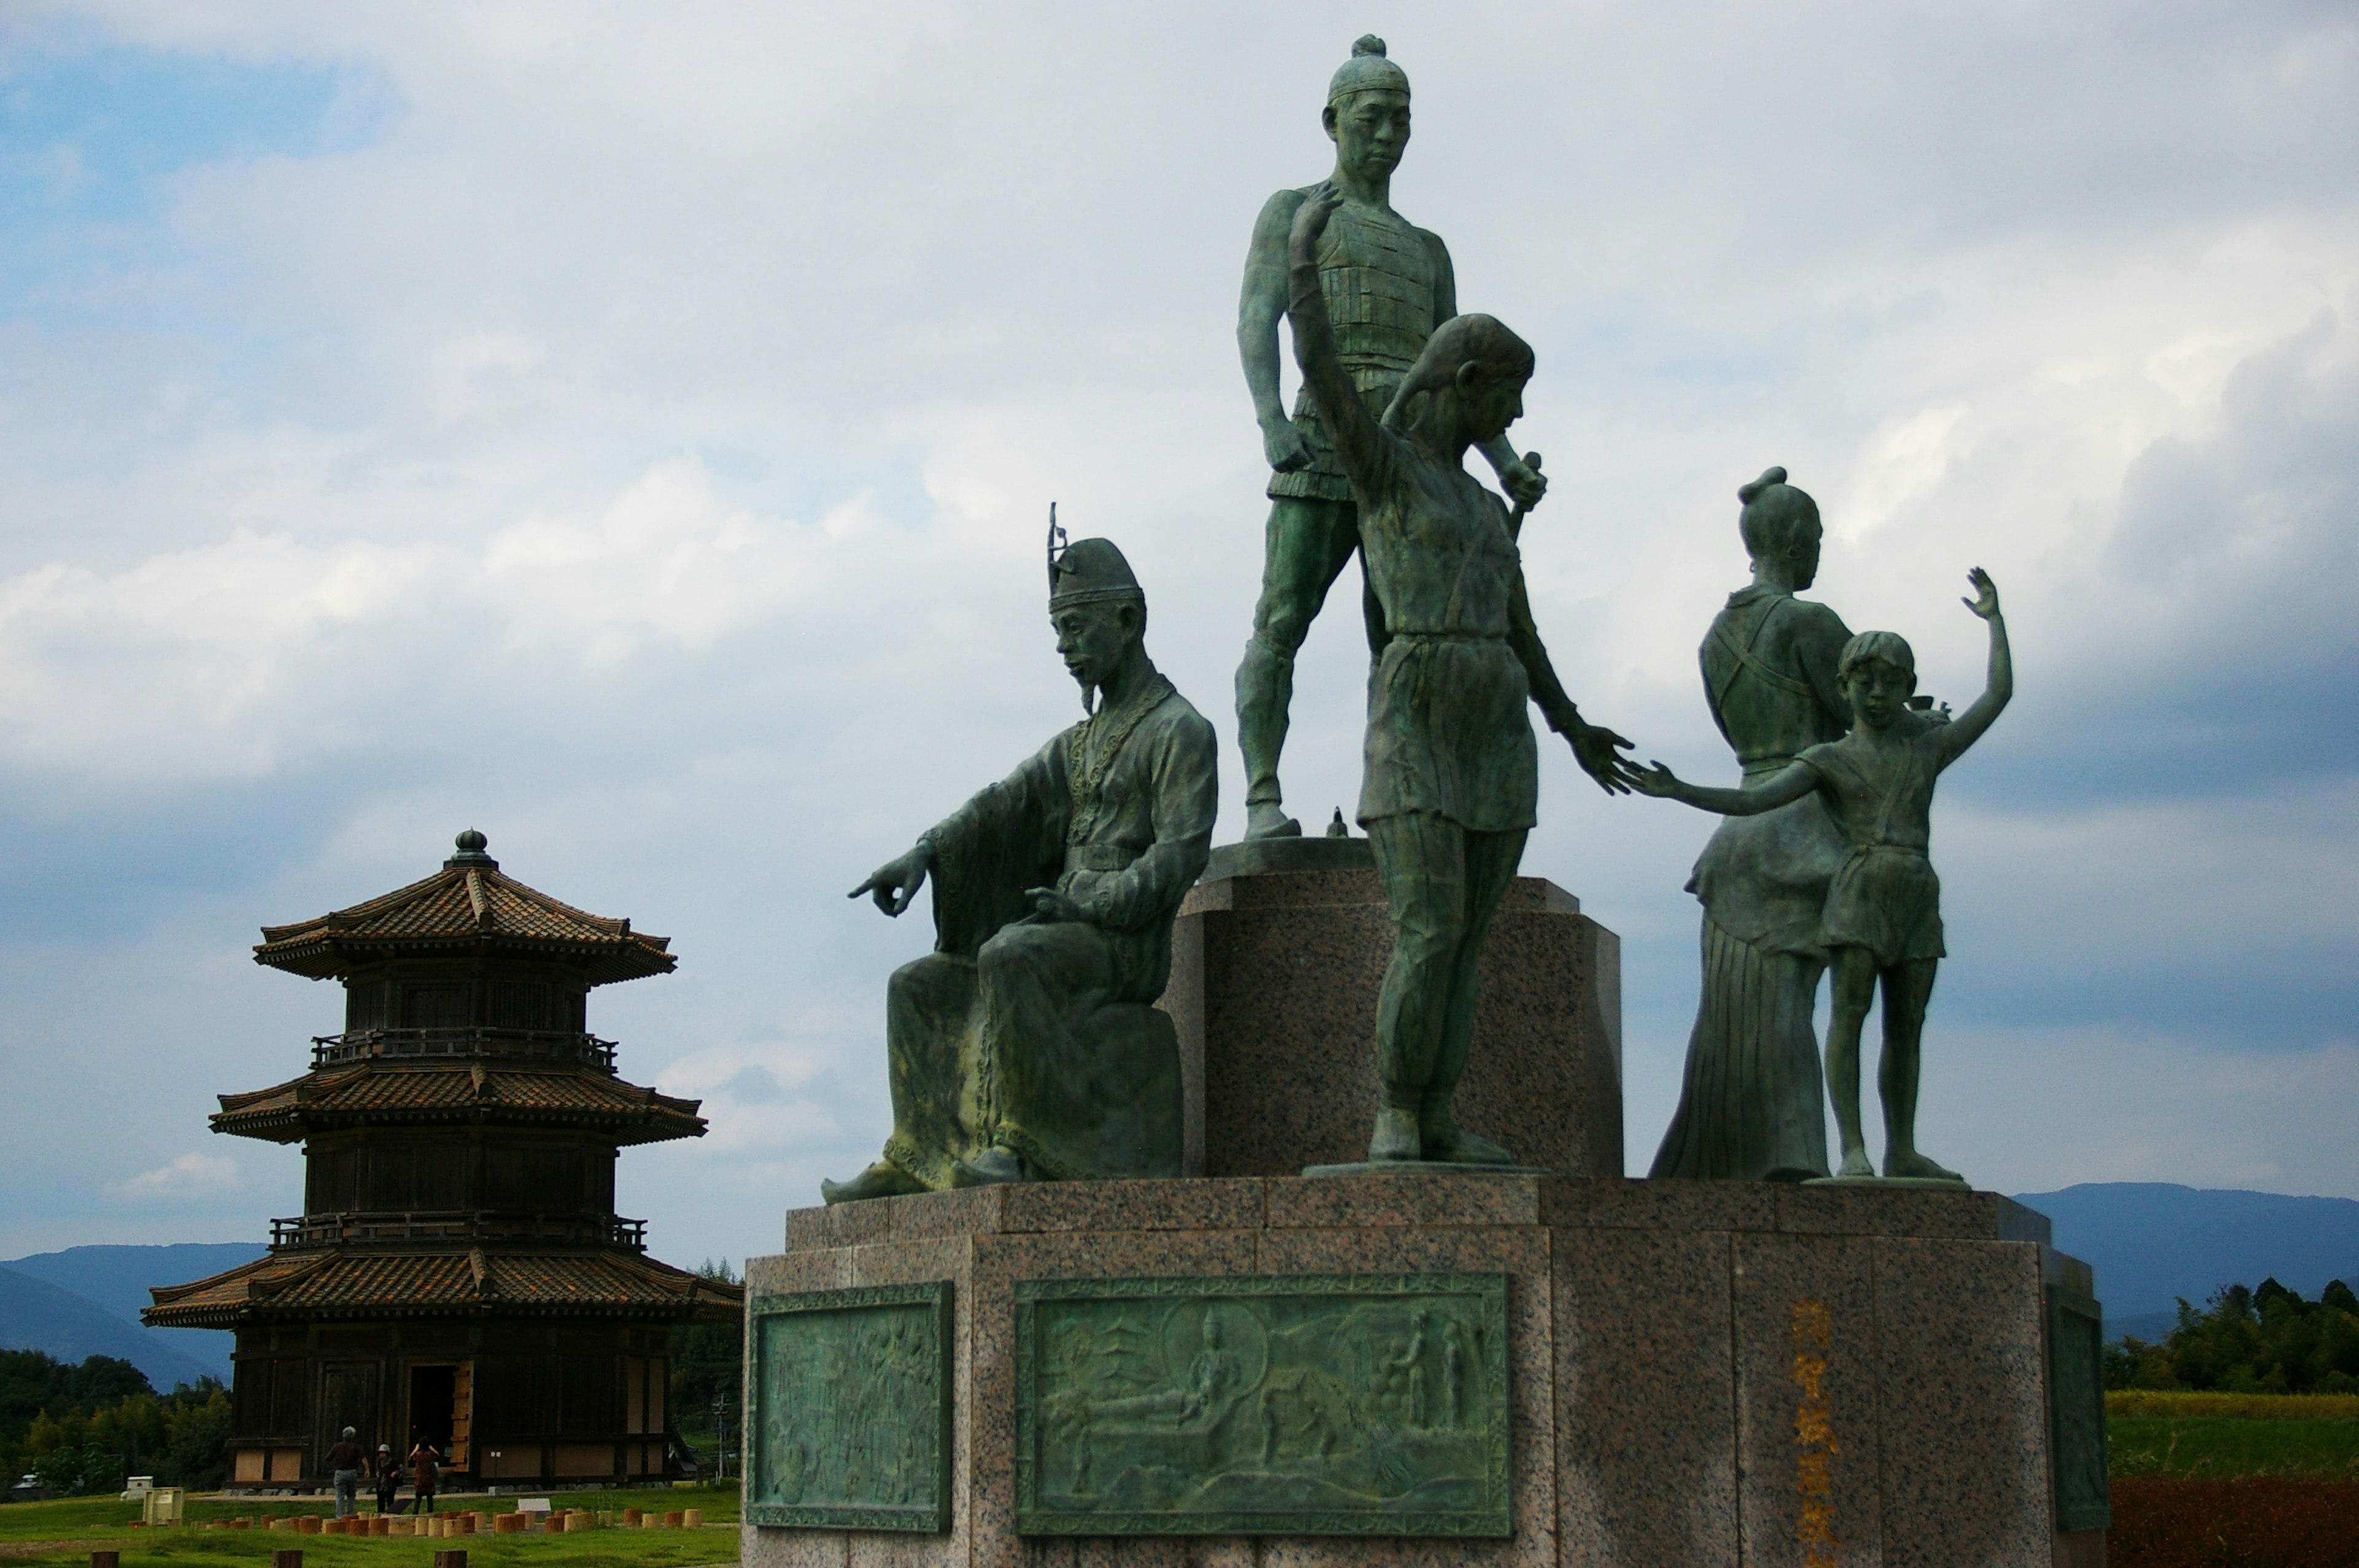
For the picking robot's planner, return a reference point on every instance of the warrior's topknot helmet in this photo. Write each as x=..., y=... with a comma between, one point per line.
x=1367, y=71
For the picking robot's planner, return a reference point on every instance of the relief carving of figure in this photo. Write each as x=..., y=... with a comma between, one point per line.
x=1026, y=1046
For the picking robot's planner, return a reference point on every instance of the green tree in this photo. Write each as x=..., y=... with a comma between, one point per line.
x=197, y=1436
x=2262, y=1340
x=706, y=1369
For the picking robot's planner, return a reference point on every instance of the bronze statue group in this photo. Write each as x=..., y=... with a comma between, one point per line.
x=1027, y=1046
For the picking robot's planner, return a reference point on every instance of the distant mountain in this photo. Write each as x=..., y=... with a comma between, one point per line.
x=2151, y=1242
x=115, y=1280
x=37, y=1315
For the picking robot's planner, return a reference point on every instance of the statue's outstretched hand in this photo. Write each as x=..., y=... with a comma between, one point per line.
x=894, y=884
x=1985, y=600
x=1598, y=750
x=1656, y=780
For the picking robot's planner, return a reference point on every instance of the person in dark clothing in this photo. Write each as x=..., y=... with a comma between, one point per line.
x=344, y=1462
x=388, y=1478
x=422, y=1461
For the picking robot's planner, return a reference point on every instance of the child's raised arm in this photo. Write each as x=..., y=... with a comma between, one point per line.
x=1968, y=727
x=1781, y=788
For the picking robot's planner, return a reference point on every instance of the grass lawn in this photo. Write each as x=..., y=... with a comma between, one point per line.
x=2221, y=1436
x=63, y=1532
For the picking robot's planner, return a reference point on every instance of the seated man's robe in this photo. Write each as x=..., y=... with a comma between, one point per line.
x=1038, y=1035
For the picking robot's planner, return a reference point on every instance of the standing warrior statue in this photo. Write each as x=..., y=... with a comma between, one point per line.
x=1752, y=1108
x=1452, y=772
x=1026, y=1046
x=1388, y=285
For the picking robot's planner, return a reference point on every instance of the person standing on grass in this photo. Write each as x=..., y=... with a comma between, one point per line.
x=422, y=1461
x=388, y=1478
x=345, y=1461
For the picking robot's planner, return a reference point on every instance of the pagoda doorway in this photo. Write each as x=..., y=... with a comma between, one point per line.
x=434, y=1409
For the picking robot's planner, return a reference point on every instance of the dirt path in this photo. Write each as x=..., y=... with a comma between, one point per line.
x=35, y=1548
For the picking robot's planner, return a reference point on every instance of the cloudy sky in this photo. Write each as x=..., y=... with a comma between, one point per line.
x=627, y=430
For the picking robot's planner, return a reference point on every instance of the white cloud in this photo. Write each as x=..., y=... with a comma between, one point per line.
x=190, y=1177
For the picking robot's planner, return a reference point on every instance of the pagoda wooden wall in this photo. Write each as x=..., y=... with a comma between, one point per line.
x=550, y=1400
x=398, y=1170
x=439, y=994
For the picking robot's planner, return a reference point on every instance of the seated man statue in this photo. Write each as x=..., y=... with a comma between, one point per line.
x=1025, y=1047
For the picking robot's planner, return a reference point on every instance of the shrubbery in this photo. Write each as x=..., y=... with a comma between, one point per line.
x=2264, y=1341
x=82, y=1428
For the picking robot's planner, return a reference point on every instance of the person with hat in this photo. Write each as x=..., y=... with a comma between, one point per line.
x=1388, y=284
x=387, y=1477
x=1026, y=1046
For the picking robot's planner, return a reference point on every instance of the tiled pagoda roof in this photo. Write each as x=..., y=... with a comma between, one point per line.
x=468, y=905
x=368, y=1284
x=383, y=1094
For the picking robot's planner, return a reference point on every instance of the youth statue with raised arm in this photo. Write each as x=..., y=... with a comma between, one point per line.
x=1387, y=284
x=1451, y=771
x=1882, y=923
x=1026, y=1046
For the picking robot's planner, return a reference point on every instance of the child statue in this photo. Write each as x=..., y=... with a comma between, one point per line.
x=1883, y=919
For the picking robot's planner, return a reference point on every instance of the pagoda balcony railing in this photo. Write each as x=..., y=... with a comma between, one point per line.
x=539, y=1044
x=456, y=1224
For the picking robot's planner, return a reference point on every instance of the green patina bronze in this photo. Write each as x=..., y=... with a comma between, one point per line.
x=1388, y=284
x=1881, y=923
x=1752, y=1106
x=849, y=1425
x=2076, y=1411
x=1451, y=773
x=1305, y=1405
x=1027, y=1045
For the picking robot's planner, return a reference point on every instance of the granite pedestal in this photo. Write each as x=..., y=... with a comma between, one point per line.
x=1275, y=961
x=1691, y=1374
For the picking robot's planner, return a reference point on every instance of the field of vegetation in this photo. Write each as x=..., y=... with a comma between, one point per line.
x=65, y=1531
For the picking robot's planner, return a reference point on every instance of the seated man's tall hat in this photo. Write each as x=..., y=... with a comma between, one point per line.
x=1090, y=572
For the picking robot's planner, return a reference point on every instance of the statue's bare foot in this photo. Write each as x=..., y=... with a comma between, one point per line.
x=1857, y=1166
x=1914, y=1164
x=1267, y=819
x=882, y=1180
x=993, y=1166
x=1453, y=1144
x=1396, y=1137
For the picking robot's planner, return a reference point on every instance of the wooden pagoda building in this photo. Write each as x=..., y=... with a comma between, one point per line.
x=459, y=1273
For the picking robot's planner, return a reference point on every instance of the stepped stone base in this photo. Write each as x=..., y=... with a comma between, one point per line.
x=1687, y=1373
x=1276, y=960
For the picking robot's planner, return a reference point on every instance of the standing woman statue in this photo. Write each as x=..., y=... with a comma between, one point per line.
x=1751, y=1105
x=1388, y=284
x=1882, y=923
x=1451, y=774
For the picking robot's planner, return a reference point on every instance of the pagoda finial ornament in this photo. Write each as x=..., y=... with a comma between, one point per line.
x=471, y=846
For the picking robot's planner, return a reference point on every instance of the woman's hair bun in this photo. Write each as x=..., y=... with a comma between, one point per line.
x=1749, y=493
x=1368, y=43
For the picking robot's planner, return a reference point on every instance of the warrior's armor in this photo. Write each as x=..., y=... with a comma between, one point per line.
x=1379, y=275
